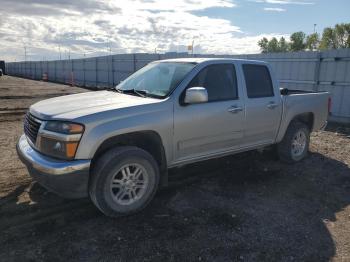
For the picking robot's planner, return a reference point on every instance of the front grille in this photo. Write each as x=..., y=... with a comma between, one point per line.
x=31, y=127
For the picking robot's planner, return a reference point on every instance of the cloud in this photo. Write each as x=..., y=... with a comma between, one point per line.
x=54, y=7
x=285, y=2
x=96, y=27
x=274, y=9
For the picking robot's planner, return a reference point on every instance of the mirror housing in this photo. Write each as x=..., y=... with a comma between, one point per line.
x=196, y=95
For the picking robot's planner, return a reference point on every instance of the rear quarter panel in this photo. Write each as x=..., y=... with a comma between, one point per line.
x=297, y=104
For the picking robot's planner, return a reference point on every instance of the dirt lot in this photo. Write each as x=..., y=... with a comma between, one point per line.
x=245, y=207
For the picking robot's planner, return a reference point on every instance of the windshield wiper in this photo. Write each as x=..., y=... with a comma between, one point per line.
x=142, y=93
x=117, y=90
x=139, y=92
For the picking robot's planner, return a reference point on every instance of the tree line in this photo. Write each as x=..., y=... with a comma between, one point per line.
x=332, y=38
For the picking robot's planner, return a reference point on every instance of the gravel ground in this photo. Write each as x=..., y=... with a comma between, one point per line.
x=246, y=207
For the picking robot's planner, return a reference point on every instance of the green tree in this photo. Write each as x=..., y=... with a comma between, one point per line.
x=263, y=43
x=272, y=46
x=337, y=37
x=332, y=38
x=342, y=33
x=312, y=41
x=347, y=28
x=297, y=41
x=283, y=45
x=328, y=39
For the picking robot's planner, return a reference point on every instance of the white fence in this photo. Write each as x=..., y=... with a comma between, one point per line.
x=328, y=70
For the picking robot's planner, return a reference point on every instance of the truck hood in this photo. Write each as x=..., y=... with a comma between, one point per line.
x=78, y=105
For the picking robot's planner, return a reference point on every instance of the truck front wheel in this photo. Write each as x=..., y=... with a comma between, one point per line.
x=295, y=143
x=123, y=181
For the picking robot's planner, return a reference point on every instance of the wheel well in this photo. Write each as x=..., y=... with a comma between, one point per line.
x=149, y=141
x=306, y=118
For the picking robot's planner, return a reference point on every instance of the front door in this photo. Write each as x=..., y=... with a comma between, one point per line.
x=212, y=127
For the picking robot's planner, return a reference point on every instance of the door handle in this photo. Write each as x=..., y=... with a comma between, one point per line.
x=235, y=109
x=272, y=105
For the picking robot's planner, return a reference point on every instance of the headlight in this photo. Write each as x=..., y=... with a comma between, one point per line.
x=64, y=127
x=60, y=139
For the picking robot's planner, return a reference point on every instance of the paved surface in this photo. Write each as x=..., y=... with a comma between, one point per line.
x=246, y=207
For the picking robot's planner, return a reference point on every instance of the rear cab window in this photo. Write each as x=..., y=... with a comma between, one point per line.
x=258, y=81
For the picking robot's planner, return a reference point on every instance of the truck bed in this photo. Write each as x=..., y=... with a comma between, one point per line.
x=308, y=103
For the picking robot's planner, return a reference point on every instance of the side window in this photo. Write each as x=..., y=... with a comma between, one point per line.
x=258, y=81
x=220, y=81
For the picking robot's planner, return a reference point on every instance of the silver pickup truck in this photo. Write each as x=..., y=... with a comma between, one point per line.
x=117, y=145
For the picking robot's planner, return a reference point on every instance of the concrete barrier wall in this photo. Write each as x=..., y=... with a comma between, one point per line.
x=318, y=71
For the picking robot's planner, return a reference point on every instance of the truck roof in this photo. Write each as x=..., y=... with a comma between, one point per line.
x=206, y=59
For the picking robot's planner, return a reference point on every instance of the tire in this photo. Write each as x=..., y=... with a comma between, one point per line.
x=291, y=149
x=123, y=166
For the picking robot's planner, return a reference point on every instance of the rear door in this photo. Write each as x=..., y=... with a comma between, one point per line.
x=212, y=127
x=263, y=105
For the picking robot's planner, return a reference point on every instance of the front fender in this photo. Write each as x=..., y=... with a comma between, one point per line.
x=159, y=121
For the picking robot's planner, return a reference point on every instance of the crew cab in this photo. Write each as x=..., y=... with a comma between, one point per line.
x=116, y=146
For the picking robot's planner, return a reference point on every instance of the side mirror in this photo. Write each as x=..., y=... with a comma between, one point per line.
x=196, y=95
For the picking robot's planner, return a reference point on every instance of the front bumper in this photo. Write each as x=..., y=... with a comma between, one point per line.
x=65, y=178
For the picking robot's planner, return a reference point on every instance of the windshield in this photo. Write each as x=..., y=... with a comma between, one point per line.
x=156, y=79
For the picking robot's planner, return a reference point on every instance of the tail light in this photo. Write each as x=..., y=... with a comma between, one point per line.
x=329, y=105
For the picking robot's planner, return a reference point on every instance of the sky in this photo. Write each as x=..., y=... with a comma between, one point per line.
x=59, y=29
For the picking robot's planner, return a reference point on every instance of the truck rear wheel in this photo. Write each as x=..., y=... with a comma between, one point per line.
x=295, y=143
x=123, y=181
